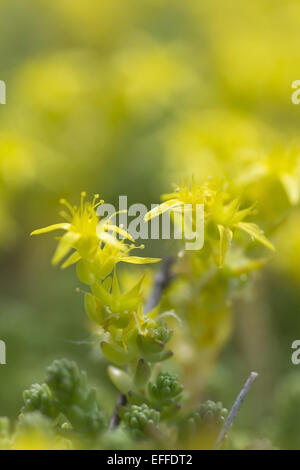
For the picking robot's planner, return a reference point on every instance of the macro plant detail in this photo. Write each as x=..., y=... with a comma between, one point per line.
x=184, y=117
x=154, y=405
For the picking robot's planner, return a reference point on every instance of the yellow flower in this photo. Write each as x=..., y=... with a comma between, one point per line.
x=92, y=242
x=222, y=213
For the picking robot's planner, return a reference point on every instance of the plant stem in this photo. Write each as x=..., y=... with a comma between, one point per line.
x=162, y=280
x=236, y=406
x=115, y=419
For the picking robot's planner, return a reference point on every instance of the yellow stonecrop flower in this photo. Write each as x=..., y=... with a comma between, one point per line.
x=90, y=242
x=222, y=213
x=202, y=293
x=282, y=165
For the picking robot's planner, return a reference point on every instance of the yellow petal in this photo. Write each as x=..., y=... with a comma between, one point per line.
x=256, y=233
x=115, y=228
x=292, y=187
x=111, y=240
x=73, y=258
x=139, y=260
x=51, y=228
x=65, y=244
x=164, y=207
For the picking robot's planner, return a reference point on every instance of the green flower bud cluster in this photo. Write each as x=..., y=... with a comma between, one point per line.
x=199, y=429
x=167, y=389
x=74, y=398
x=140, y=420
x=209, y=413
x=66, y=392
x=39, y=398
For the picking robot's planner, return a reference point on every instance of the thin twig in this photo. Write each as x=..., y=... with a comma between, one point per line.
x=115, y=419
x=162, y=280
x=236, y=406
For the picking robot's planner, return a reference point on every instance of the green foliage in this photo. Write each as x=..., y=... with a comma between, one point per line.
x=66, y=392
x=74, y=398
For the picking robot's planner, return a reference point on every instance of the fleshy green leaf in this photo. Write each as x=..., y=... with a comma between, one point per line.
x=121, y=380
x=142, y=373
x=115, y=354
